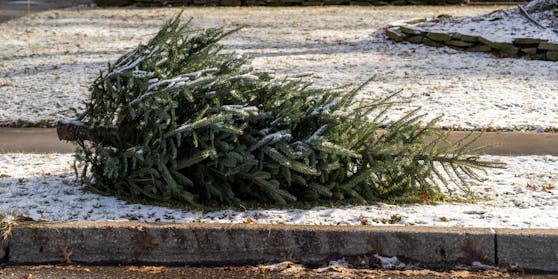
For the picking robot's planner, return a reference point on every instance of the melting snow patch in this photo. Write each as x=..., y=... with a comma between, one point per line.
x=281, y=267
x=479, y=265
x=340, y=263
x=390, y=262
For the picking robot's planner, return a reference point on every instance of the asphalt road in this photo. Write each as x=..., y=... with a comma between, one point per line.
x=15, y=8
x=132, y=272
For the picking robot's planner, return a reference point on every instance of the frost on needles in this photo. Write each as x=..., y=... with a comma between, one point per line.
x=177, y=120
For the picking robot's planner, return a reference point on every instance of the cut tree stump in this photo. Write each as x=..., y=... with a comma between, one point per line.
x=72, y=130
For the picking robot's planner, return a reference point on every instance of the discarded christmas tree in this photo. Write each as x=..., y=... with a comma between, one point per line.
x=178, y=120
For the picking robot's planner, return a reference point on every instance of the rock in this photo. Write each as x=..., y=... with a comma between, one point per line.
x=548, y=46
x=415, y=39
x=529, y=50
x=479, y=48
x=506, y=48
x=395, y=35
x=409, y=30
x=440, y=37
x=527, y=41
x=537, y=56
x=552, y=55
x=431, y=43
x=459, y=43
x=485, y=40
x=465, y=38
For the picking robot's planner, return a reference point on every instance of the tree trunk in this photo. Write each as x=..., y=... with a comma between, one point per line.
x=72, y=130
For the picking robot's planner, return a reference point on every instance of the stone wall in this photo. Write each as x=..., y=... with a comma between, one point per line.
x=158, y=3
x=531, y=48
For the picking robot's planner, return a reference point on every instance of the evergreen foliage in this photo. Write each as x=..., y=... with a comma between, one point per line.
x=178, y=120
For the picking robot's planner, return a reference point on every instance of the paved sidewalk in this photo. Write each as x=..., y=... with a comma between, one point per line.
x=45, y=140
x=32, y=140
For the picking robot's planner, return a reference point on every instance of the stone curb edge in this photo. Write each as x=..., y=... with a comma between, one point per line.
x=240, y=244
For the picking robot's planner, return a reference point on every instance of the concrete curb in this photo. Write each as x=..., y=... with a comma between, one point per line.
x=530, y=249
x=238, y=244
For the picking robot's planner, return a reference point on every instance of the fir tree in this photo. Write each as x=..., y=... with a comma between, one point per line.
x=179, y=120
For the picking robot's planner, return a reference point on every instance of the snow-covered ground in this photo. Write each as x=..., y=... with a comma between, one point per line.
x=501, y=26
x=48, y=60
x=41, y=186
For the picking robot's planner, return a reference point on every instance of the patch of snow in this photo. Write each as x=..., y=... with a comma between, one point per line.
x=390, y=262
x=500, y=26
x=42, y=186
x=282, y=266
x=71, y=122
x=341, y=263
x=479, y=265
x=48, y=60
x=544, y=12
x=272, y=138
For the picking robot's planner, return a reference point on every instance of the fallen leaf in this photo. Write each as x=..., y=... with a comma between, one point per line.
x=249, y=221
x=424, y=196
x=362, y=220
x=23, y=218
